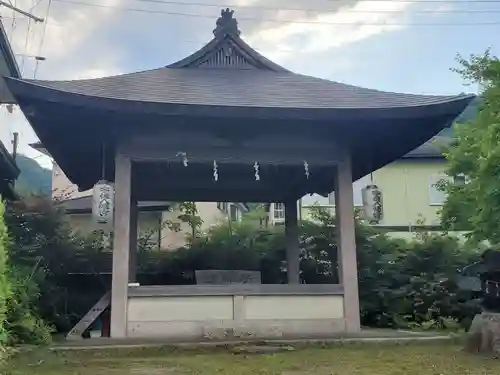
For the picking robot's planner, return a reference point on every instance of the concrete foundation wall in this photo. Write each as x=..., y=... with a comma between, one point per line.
x=223, y=315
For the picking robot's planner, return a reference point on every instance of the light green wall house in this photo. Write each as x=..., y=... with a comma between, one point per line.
x=410, y=198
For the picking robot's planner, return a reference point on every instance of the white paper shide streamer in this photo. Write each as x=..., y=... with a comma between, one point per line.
x=256, y=168
x=216, y=171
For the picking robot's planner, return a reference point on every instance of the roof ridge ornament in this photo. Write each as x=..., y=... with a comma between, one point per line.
x=226, y=24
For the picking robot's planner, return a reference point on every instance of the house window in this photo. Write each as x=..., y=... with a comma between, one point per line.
x=460, y=179
x=357, y=189
x=222, y=206
x=233, y=212
x=279, y=211
x=436, y=196
x=315, y=199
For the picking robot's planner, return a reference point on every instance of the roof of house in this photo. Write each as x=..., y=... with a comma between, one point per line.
x=9, y=172
x=228, y=73
x=8, y=67
x=432, y=149
x=83, y=205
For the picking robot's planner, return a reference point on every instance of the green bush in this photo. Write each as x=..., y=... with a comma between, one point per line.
x=23, y=323
x=401, y=283
x=4, y=284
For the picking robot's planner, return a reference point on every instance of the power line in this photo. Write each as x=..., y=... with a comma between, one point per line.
x=13, y=25
x=469, y=2
x=42, y=38
x=194, y=15
x=35, y=5
x=300, y=9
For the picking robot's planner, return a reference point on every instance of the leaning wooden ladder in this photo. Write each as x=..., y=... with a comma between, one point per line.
x=77, y=331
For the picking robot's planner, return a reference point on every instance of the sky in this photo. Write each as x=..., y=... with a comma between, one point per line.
x=392, y=45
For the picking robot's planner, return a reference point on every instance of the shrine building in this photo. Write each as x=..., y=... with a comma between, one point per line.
x=227, y=124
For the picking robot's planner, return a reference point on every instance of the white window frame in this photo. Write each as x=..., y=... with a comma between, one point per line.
x=223, y=207
x=232, y=208
x=433, y=192
x=357, y=190
x=316, y=200
x=278, y=212
x=466, y=179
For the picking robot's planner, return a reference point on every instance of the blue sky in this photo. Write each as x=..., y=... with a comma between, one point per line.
x=376, y=44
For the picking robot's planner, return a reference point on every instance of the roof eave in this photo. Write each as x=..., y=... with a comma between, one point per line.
x=10, y=163
x=422, y=157
x=9, y=192
x=28, y=92
x=38, y=146
x=9, y=67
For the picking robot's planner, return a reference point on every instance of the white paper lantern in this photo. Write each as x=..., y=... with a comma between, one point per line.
x=103, y=199
x=372, y=204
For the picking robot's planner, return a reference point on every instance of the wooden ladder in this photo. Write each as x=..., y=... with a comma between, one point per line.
x=77, y=331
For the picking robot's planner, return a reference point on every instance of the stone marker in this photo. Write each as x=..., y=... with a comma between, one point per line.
x=483, y=280
x=484, y=334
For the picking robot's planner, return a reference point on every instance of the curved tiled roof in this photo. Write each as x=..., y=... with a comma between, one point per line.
x=225, y=73
x=235, y=87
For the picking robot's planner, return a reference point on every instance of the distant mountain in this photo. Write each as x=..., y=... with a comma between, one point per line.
x=33, y=178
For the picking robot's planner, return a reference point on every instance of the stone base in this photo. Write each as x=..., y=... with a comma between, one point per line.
x=484, y=334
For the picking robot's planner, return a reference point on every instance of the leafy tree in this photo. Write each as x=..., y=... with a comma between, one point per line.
x=475, y=154
x=189, y=215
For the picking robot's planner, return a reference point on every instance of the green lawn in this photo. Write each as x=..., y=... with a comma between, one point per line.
x=352, y=359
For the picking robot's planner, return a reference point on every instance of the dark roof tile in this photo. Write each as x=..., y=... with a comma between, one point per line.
x=239, y=87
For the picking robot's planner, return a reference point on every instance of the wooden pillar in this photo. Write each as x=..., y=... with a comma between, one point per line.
x=121, y=246
x=134, y=222
x=348, y=269
x=292, y=242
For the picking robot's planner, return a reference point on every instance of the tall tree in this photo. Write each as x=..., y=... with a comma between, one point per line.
x=475, y=154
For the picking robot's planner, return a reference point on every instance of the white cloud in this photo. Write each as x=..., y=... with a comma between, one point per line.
x=328, y=30
x=68, y=29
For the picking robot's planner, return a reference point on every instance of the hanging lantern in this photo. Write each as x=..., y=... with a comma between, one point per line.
x=372, y=204
x=103, y=199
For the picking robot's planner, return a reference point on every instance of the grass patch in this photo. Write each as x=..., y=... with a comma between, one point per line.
x=353, y=359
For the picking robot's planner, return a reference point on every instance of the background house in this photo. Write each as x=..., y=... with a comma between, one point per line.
x=411, y=199
x=8, y=67
x=154, y=217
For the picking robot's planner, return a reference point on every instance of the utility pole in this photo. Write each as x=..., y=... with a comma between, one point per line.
x=24, y=13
